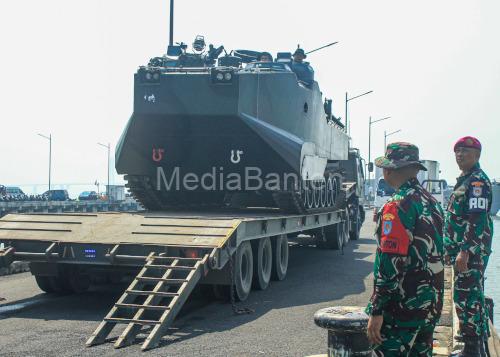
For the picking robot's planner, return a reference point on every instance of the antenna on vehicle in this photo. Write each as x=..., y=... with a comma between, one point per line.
x=320, y=48
x=171, y=41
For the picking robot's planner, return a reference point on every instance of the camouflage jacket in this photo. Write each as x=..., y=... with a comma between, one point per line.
x=409, y=270
x=468, y=225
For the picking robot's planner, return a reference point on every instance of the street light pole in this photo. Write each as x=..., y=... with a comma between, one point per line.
x=49, y=138
x=386, y=135
x=347, y=100
x=370, y=122
x=107, y=147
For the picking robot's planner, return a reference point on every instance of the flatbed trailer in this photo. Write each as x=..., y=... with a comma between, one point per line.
x=166, y=253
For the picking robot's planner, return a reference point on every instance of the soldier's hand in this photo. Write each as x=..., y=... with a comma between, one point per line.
x=374, y=327
x=461, y=261
x=447, y=260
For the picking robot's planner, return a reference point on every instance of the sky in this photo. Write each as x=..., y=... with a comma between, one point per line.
x=67, y=70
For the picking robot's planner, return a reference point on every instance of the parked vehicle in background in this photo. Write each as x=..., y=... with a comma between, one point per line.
x=56, y=195
x=13, y=191
x=3, y=191
x=431, y=175
x=428, y=179
x=88, y=196
x=382, y=194
x=438, y=190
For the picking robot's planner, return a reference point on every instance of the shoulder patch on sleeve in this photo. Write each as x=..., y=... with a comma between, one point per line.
x=394, y=238
x=477, y=199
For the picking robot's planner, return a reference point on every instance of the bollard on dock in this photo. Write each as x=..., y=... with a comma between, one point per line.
x=346, y=327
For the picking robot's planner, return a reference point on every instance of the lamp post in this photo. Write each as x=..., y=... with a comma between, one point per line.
x=107, y=147
x=370, y=122
x=347, y=100
x=49, y=138
x=389, y=134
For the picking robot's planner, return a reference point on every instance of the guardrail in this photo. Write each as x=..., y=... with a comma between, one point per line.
x=67, y=206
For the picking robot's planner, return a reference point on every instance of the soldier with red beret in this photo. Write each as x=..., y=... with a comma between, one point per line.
x=468, y=232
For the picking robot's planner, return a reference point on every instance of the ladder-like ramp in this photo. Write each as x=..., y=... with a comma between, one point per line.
x=154, y=298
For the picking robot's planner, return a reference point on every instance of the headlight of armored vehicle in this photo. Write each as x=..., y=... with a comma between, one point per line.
x=149, y=75
x=221, y=76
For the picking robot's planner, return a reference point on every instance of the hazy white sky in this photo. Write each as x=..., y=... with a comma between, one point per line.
x=67, y=69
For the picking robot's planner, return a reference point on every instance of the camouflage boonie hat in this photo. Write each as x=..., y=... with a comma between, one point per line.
x=398, y=155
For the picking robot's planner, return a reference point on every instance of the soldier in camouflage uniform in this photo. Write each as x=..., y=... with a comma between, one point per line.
x=408, y=288
x=468, y=232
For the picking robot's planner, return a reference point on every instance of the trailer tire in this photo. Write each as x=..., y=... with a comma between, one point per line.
x=72, y=280
x=262, y=263
x=78, y=283
x=346, y=227
x=280, y=257
x=53, y=284
x=332, y=237
x=356, y=227
x=243, y=271
x=221, y=292
x=45, y=283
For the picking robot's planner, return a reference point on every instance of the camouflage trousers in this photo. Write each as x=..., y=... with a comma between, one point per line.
x=468, y=296
x=407, y=342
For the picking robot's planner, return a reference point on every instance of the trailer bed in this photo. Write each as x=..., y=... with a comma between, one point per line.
x=176, y=251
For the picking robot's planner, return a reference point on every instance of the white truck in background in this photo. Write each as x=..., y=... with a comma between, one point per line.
x=429, y=180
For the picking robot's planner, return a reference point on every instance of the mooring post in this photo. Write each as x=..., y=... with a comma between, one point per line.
x=346, y=327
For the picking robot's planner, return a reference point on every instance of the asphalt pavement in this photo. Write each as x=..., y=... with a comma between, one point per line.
x=36, y=324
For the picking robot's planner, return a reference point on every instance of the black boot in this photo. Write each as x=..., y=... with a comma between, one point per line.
x=483, y=346
x=472, y=347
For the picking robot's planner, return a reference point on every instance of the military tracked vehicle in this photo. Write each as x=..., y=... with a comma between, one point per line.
x=216, y=130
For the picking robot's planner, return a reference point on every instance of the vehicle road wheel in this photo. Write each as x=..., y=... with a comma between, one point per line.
x=78, y=283
x=45, y=283
x=53, y=284
x=355, y=227
x=346, y=227
x=262, y=263
x=280, y=257
x=221, y=292
x=333, y=237
x=243, y=271
x=320, y=238
x=73, y=281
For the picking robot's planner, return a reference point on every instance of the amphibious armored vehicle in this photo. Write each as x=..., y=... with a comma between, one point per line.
x=229, y=130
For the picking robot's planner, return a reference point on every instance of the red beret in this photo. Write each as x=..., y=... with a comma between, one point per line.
x=467, y=142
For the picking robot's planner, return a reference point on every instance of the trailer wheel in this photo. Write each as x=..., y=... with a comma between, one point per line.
x=78, y=283
x=262, y=263
x=356, y=227
x=280, y=257
x=72, y=280
x=346, y=226
x=330, y=237
x=53, y=284
x=221, y=292
x=45, y=283
x=243, y=271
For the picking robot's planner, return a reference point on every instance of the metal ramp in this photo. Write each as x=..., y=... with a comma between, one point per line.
x=154, y=298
